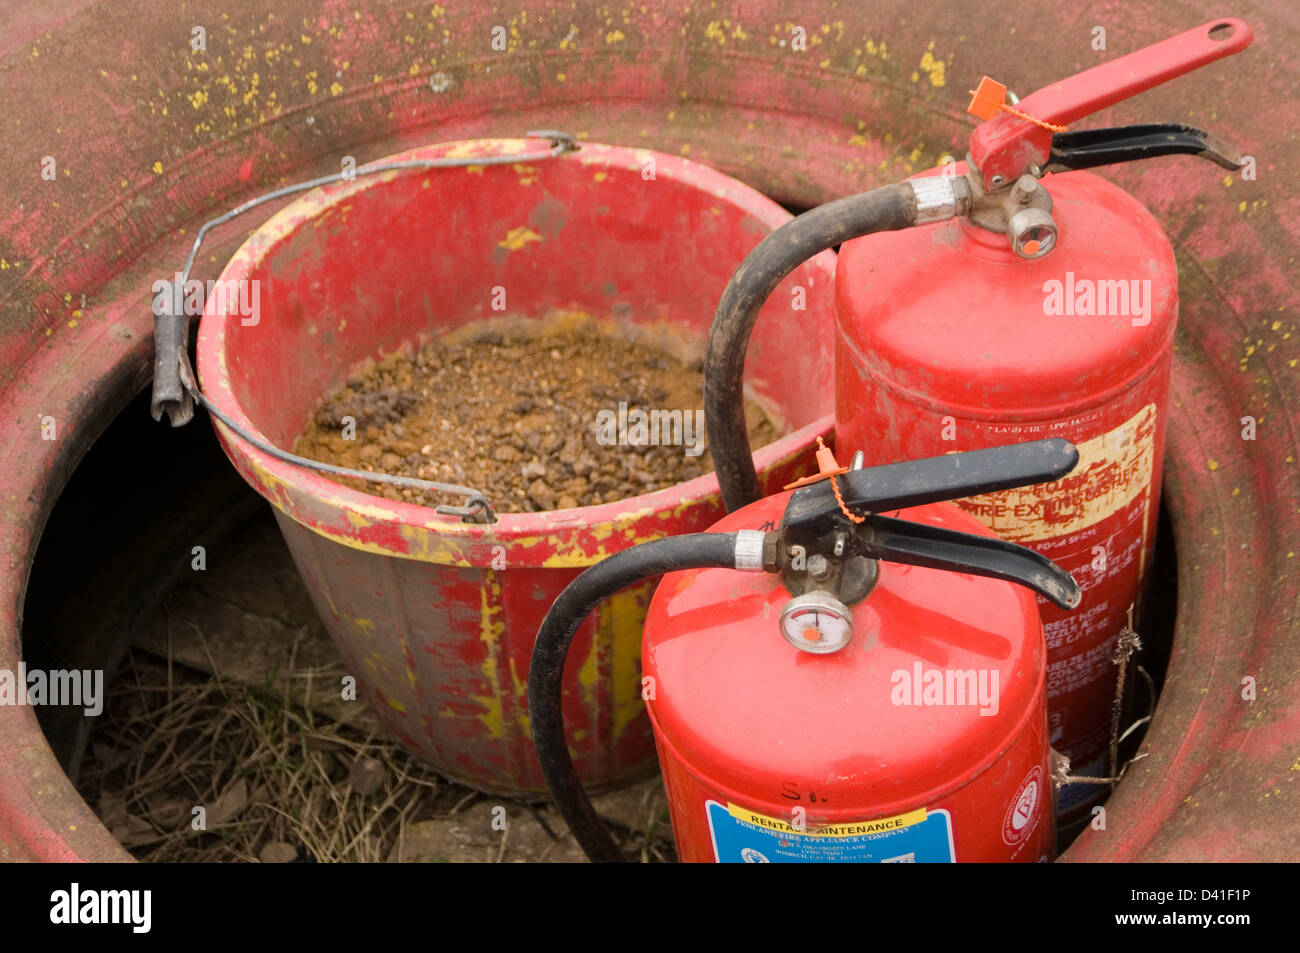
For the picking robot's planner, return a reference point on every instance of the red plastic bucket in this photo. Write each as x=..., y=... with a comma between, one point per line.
x=433, y=616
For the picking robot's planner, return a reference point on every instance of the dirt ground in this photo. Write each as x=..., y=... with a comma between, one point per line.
x=223, y=706
x=516, y=412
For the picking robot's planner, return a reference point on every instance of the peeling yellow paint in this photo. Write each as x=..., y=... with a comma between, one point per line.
x=490, y=631
x=519, y=684
x=358, y=520
x=624, y=615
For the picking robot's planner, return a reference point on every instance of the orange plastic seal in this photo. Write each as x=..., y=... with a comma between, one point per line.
x=989, y=99
x=827, y=466
x=986, y=100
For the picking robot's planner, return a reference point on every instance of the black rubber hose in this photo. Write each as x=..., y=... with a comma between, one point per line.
x=889, y=208
x=546, y=671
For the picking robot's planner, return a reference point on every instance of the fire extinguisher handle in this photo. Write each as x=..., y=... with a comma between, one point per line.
x=918, y=544
x=896, y=486
x=1094, y=89
x=1090, y=148
x=839, y=517
x=1004, y=147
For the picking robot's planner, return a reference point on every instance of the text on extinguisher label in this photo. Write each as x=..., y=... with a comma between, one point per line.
x=1114, y=470
x=744, y=836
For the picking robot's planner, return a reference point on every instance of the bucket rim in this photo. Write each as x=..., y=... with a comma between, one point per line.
x=566, y=538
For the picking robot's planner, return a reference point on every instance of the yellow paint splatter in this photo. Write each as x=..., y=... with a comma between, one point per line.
x=615, y=36
x=157, y=168
x=933, y=67
x=517, y=238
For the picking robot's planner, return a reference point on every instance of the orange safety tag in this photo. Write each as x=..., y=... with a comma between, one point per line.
x=987, y=99
x=826, y=465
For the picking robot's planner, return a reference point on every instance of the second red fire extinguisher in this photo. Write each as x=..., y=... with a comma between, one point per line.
x=869, y=688
x=1027, y=310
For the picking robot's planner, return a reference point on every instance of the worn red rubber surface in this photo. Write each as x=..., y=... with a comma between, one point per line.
x=148, y=144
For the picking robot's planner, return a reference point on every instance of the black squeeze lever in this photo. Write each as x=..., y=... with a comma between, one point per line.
x=1093, y=147
x=816, y=524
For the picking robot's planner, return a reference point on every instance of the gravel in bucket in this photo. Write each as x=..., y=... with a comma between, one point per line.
x=539, y=416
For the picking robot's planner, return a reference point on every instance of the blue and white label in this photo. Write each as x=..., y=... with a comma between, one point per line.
x=742, y=836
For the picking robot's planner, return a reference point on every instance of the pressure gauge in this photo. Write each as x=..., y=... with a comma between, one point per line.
x=817, y=622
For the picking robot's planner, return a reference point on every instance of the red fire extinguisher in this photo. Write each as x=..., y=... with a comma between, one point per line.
x=1032, y=308
x=872, y=690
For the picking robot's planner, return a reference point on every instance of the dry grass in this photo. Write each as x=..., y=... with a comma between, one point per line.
x=270, y=775
x=276, y=780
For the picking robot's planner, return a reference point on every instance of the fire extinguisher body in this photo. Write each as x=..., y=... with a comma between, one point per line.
x=950, y=342
x=923, y=740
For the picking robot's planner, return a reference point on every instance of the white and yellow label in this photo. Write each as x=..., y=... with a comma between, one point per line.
x=1114, y=469
x=881, y=825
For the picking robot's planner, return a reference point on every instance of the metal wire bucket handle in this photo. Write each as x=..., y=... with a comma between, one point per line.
x=176, y=389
